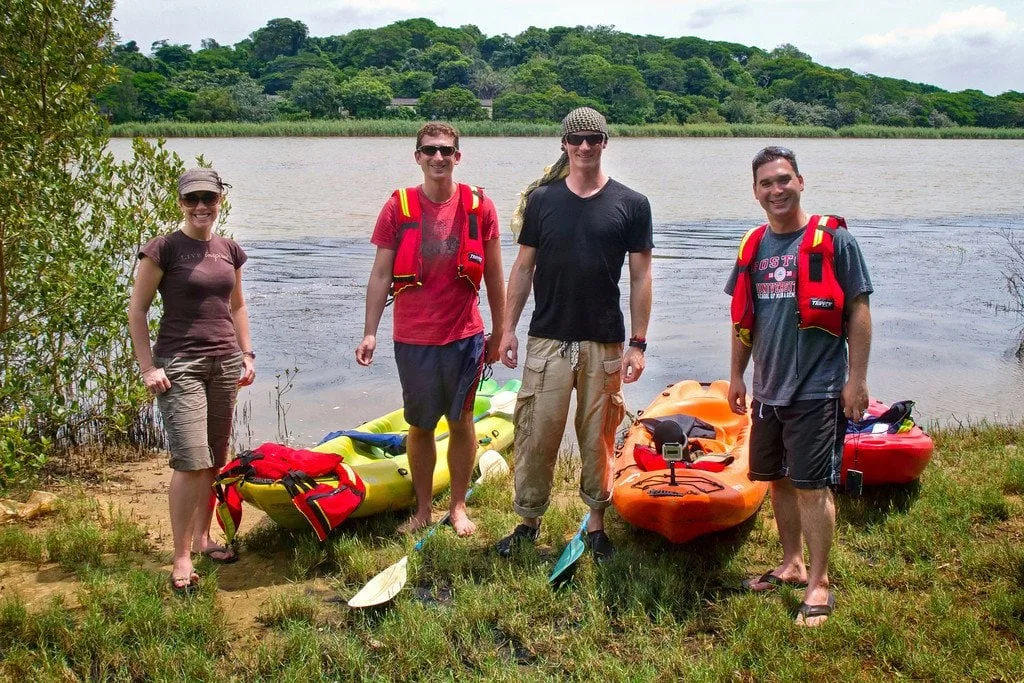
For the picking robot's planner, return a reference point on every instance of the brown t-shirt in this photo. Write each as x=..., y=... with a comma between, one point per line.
x=196, y=291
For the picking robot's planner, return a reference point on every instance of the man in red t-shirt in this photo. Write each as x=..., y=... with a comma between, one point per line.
x=430, y=242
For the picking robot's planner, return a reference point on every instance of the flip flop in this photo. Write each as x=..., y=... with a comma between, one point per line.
x=773, y=582
x=808, y=611
x=184, y=585
x=220, y=554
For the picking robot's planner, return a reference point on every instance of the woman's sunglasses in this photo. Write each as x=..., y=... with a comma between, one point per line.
x=593, y=140
x=192, y=199
x=431, y=150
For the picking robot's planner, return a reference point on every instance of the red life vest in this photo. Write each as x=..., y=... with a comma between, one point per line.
x=325, y=505
x=820, y=297
x=408, y=267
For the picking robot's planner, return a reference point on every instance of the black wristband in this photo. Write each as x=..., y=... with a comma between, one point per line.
x=639, y=343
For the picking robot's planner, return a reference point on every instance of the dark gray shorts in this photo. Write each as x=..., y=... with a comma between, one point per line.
x=802, y=441
x=199, y=408
x=439, y=380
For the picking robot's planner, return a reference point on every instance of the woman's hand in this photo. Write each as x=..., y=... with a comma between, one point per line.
x=156, y=380
x=248, y=372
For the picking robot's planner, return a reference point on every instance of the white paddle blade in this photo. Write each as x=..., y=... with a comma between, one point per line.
x=492, y=465
x=382, y=587
x=503, y=403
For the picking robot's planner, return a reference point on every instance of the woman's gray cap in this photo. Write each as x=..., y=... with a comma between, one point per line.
x=200, y=180
x=584, y=118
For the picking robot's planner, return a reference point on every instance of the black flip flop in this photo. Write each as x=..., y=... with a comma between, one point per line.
x=825, y=610
x=772, y=580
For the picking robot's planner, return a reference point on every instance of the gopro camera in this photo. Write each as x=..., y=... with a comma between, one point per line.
x=672, y=452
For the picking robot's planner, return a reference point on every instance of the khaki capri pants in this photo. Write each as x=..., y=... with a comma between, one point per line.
x=542, y=409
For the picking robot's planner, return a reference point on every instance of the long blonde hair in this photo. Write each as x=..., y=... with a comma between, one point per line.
x=556, y=171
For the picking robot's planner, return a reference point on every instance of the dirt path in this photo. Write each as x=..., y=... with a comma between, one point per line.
x=139, y=491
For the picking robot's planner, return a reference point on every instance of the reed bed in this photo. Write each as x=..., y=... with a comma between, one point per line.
x=959, y=133
x=402, y=128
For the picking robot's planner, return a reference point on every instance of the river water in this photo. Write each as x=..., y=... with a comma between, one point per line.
x=927, y=213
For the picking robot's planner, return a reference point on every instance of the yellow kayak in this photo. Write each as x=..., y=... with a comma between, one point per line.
x=387, y=478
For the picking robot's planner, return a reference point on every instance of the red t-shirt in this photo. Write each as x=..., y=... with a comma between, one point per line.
x=444, y=308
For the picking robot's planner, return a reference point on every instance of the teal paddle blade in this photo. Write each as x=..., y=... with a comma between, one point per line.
x=566, y=565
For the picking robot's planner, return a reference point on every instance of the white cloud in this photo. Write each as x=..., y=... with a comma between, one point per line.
x=975, y=22
x=959, y=50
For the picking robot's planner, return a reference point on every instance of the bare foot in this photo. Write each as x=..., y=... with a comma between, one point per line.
x=461, y=522
x=183, y=576
x=416, y=522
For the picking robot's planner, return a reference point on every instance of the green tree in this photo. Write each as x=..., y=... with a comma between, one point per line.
x=279, y=38
x=412, y=83
x=171, y=57
x=71, y=221
x=281, y=73
x=212, y=104
x=250, y=102
x=516, y=106
x=452, y=103
x=318, y=92
x=537, y=75
x=364, y=97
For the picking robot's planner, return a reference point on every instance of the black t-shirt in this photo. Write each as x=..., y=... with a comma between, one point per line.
x=581, y=247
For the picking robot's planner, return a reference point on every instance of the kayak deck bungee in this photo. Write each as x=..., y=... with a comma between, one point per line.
x=701, y=501
x=387, y=478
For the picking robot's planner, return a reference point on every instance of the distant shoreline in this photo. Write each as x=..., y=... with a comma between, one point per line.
x=402, y=128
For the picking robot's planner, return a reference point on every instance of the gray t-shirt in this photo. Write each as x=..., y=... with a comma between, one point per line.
x=791, y=364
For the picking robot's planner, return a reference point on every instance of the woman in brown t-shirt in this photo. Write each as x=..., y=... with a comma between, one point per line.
x=203, y=353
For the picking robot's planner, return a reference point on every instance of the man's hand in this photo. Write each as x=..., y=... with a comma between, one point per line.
x=364, y=352
x=854, y=399
x=509, y=351
x=633, y=364
x=491, y=344
x=738, y=396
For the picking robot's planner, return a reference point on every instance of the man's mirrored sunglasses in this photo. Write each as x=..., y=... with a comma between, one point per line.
x=593, y=139
x=431, y=150
x=192, y=199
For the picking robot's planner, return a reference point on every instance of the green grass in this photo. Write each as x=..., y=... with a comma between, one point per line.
x=929, y=580
x=400, y=128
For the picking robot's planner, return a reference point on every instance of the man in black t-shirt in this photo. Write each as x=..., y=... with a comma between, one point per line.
x=577, y=228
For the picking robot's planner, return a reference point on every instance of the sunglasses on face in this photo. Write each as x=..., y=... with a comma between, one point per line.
x=593, y=140
x=192, y=199
x=431, y=150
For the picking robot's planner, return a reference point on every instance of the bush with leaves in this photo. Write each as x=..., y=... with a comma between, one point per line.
x=72, y=219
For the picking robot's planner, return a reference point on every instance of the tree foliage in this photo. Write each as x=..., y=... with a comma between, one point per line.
x=633, y=79
x=71, y=221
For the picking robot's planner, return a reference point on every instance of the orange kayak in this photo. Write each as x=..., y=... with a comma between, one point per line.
x=710, y=494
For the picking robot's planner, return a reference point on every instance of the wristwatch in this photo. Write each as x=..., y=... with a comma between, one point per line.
x=251, y=354
x=639, y=343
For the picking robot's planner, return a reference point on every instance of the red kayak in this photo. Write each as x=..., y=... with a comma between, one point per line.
x=884, y=457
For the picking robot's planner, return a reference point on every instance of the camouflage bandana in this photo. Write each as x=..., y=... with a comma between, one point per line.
x=584, y=118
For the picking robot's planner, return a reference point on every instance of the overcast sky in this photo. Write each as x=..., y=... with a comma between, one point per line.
x=954, y=45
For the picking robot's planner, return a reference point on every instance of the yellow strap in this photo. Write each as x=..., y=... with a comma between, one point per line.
x=743, y=243
x=819, y=234
x=403, y=200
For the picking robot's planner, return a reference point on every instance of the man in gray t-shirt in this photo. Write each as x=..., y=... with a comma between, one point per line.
x=809, y=334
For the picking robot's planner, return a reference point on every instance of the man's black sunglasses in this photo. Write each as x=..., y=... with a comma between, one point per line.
x=593, y=139
x=431, y=150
